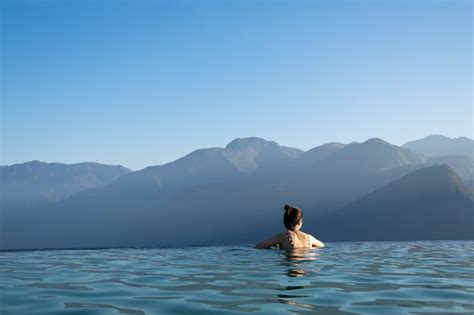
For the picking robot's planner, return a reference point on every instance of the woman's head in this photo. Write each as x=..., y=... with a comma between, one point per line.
x=293, y=217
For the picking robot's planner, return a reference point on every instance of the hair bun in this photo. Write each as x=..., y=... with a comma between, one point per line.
x=286, y=207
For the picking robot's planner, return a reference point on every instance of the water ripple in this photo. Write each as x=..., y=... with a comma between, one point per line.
x=344, y=278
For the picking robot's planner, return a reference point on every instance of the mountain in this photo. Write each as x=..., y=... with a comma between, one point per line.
x=470, y=185
x=349, y=171
x=429, y=203
x=208, y=199
x=463, y=165
x=437, y=145
x=319, y=153
x=199, y=167
x=234, y=195
x=36, y=181
x=373, y=155
x=240, y=158
x=248, y=209
x=251, y=154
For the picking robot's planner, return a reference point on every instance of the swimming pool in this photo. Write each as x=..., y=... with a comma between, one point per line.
x=343, y=278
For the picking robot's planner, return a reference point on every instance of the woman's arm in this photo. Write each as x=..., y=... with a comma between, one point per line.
x=269, y=243
x=316, y=243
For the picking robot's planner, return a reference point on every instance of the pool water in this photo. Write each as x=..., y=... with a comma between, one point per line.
x=343, y=278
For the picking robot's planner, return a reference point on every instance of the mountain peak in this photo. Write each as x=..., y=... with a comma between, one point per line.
x=250, y=154
x=28, y=163
x=239, y=143
x=35, y=181
x=374, y=154
x=335, y=144
x=430, y=179
x=376, y=141
x=439, y=145
x=428, y=203
x=319, y=153
x=436, y=136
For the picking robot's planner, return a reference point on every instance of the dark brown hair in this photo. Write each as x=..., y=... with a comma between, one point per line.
x=292, y=217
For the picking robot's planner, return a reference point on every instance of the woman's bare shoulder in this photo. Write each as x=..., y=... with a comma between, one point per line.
x=314, y=241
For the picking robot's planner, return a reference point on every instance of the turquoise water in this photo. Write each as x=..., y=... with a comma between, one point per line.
x=343, y=278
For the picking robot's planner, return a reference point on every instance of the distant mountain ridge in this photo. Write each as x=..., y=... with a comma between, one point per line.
x=463, y=165
x=240, y=158
x=252, y=154
x=438, y=145
x=383, y=156
x=234, y=195
x=319, y=153
x=36, y=181
x=433, y=196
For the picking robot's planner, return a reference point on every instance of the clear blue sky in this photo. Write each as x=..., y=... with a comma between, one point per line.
x=142, y=83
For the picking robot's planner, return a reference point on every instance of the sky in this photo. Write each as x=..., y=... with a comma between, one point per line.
x=142, y=83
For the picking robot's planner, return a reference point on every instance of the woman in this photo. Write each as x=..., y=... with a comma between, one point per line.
x=293, y=238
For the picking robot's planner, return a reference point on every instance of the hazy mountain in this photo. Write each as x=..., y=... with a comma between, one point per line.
x=247, y=209
x=241, y=157
x=235, y=194
x=251, y=154
x=437, y=145
x=319, y=153
x=197, y=168
x=430, y=203
x=373, y=155
x=208, y=199
x=349, y=172
x=36, y=181
x=470, y=185
x=463, y=165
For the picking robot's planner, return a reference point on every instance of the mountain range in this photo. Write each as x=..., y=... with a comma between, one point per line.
x=359, y=191
x=37, y=182
x=438, y=145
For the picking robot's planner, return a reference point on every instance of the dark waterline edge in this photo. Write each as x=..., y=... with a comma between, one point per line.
x=206, y=246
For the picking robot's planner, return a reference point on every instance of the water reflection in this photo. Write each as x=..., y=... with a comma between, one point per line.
x=295, y=273
x=297, y=259
x=295, y=303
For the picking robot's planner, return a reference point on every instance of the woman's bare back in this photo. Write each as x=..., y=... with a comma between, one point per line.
x=290, y=240
x=295, y=239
